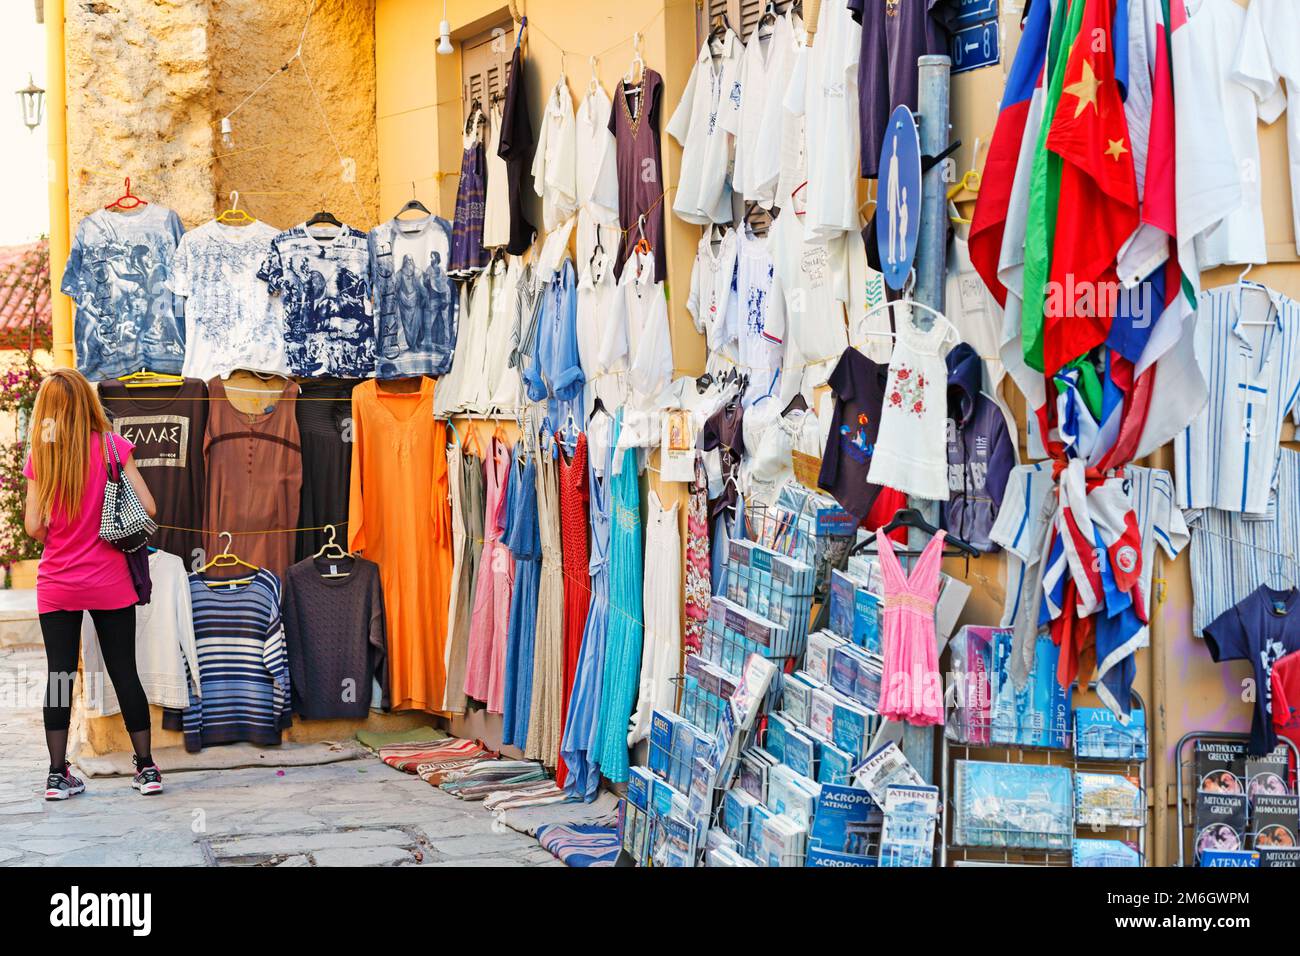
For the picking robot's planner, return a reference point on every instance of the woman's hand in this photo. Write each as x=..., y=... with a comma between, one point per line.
x=137, y=482
x=32, y=522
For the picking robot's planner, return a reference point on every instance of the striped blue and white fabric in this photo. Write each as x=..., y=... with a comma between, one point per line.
x=243, y=663
x=1247, y=343
x=1020, y=529
x=1232, y=555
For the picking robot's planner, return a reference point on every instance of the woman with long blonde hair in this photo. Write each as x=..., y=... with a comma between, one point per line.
x=66, y=476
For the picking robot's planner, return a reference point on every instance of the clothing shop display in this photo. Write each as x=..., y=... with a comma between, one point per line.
x=595, y=161
x=243, y=678
x=1249, y=336
x=1232, y=554
x=911, y=689
x=765, y=67
x=555, y=373
x=892, y=36
x=117, y=273
x=713, y=303
x=636, y=335
x=335, y=638
x=625, y=631
x=460, y=467
x=165, y=652
x=496, y=203
x=597, y=295
x=516, y=146
x=493, y=585
x=229, y=319
x=321, y=275
x=467, y=252
x=580, y=746
x=1261, y=628
x=523, y=538
x=831, y=130
x=725, y=432
x=697, y=587
x=662, y=642
x=910, y=449
x=705, y=123
x=546, y=707
x=398, y=517
x=761, y=318
x=255, y=477
x=859, y=386
x=416, y=303
x=555, y=172
x=980, y=452
x=634, y=123
x=167, y=424
x=575, y=563
x=324, y=413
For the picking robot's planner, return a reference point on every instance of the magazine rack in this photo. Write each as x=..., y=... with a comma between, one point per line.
x=1185, y=770
x=1007, y=853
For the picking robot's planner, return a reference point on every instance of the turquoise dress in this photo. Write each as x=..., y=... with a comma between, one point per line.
x=581, y=743
x=523, y=538
x=623, y=642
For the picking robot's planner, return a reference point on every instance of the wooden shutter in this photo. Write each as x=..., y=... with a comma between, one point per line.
x=485, y=66
x=741, y=14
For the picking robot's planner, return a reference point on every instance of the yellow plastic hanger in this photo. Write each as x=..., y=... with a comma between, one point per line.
x=228, y=559
x=234, y=216
x=143, y=378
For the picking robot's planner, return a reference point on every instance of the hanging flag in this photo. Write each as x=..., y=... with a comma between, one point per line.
x=1097, y=207
x=988, y=223
x=1045, y=188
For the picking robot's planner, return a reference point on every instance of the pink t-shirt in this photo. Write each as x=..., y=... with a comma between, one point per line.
x=79, y=571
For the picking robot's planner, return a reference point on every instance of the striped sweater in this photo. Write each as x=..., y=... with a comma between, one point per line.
x=243, y=665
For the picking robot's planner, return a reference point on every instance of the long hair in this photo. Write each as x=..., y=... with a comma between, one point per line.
x=66, y=417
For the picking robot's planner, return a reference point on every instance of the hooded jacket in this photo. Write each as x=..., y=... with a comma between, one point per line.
x=981, y=452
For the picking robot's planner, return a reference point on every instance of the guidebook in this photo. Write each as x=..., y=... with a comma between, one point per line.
x=1220, y=766
x=1105, y=853
x=1024, y=806
x=1275, y=821
x=1220, y=822
x=846, y=821
x=1108, y=800
x=1098, y=734
x=884, y=767
x=1268, y=775
x=907, y=836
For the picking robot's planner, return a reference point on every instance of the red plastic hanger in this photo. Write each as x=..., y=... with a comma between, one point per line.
x=128, y=200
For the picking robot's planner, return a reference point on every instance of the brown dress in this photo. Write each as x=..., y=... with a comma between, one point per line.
x=254, y=466
x=634, y=121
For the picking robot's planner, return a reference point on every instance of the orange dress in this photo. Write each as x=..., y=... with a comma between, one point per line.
x=399, y=516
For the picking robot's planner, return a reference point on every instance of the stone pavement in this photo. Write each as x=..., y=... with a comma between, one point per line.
x=354, y=813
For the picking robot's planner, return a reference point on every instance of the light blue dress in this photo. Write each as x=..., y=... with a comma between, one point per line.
x=523, y=538
x=579, y=748
x=626, y=623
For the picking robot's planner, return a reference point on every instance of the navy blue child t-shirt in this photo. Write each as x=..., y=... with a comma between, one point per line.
x=1261, y=628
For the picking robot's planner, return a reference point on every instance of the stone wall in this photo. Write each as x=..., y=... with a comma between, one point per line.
x=148, y=83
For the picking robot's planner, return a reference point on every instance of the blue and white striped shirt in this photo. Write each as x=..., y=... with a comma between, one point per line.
x=243, y=665
x=1247, y=342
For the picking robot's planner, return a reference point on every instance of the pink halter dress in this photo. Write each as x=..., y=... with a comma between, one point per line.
x=911, y=688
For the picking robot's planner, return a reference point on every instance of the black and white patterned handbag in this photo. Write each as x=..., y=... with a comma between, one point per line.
x=123, y=523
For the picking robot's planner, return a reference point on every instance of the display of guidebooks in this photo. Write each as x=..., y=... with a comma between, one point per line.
x=1099, y=735
x=1105, y=853
x=846, y=821
x=971, y=690
x=773, y=585
x=1268, y=775
x=1037, y=715
x=883, y=767
x=1019, y=806
x=907, y=835
x=1108, y=800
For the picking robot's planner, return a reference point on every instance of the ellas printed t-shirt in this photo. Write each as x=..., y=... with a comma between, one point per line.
x=1262, y=628
x=79, y=571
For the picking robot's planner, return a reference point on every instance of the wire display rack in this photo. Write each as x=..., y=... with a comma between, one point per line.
x=1017, y=846
x=1185, y=784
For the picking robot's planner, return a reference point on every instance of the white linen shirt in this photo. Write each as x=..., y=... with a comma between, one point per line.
x=705, y=123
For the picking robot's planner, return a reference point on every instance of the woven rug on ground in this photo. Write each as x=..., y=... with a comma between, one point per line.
x=435, y=772
x=375, y=740
x=540, y=793
x=530, y=818
x=408, y=757
x=582, y=844
x=483, y=778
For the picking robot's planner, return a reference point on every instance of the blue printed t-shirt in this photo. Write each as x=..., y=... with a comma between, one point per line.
x=324, y=285
x=117, y=274
x=1261, y=628
x=415, y=300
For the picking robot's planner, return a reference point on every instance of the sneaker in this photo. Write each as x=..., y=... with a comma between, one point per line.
x=148, y=780
x=60, y=786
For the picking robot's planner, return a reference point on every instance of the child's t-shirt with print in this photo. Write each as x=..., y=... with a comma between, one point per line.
x=858, y=385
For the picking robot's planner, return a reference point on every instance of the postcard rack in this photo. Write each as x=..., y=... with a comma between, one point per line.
x=1185, y=779
x=1006, y=852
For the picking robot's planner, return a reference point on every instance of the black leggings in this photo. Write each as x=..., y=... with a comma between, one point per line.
x=116, y=632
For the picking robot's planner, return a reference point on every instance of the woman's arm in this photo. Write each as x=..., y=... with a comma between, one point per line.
x=32, y=514
x=137, y=482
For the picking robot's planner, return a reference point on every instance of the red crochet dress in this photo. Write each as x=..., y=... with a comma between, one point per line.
x=577, y=574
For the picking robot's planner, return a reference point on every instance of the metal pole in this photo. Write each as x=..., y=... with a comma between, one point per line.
x=931, y=259
x=56, y=130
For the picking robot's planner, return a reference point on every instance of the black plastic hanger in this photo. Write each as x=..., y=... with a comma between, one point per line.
x=911, y=518
x=413, y=205
x=798, y=403
x=324, y=218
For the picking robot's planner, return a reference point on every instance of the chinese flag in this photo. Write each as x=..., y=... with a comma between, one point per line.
x=1098, y=206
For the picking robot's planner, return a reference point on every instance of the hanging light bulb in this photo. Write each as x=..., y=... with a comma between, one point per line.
x=227, y=133
x=444, y=33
